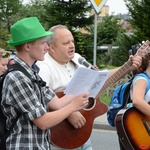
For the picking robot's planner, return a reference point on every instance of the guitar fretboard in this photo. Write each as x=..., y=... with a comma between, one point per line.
x=123, y=70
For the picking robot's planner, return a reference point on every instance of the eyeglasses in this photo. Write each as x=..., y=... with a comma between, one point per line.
x=4, y=55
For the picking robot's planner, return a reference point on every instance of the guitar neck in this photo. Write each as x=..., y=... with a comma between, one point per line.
x=122, y=71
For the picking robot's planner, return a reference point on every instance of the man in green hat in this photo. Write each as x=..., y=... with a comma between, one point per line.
x=23, y=96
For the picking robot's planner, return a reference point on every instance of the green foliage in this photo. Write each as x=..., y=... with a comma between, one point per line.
x=73, y=14
x=3, y=36
x=140, y=13
x=140, y=20
x=84, y=46
x=104, y=58
x=106, y=98
x=108, y=30
x=120, y=56
x=8, y=9
x=35, y=8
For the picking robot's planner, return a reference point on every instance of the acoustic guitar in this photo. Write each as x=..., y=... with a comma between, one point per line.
x=133, y=128
x=64, y=135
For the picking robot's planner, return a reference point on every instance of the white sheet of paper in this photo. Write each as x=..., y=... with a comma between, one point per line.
x=86, y=80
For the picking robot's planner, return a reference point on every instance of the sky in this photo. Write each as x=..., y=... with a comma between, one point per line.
x=116, y=6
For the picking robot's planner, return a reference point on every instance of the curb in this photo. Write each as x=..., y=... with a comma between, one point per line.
x=103, y=127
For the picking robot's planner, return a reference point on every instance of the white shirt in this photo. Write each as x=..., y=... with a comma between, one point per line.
x=55, y=75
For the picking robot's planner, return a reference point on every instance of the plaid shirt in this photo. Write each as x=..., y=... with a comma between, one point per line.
x=21, y=95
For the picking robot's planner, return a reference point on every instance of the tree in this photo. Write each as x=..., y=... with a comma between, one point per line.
x=12, y=11
x=7, y=9
x=107, y=32
x=121, y=55
x=72, y=13
x=140, y=13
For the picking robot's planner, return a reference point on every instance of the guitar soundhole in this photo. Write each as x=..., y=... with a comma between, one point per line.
x=91, y=104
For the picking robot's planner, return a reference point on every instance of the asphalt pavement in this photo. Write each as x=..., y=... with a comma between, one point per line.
x=102, y=123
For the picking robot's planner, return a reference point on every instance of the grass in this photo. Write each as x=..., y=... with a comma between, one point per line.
x=106, y=67
x=105, y=99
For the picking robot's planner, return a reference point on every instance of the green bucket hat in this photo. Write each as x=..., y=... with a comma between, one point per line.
x=27, y=30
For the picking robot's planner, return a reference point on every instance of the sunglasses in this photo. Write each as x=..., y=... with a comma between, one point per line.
x=4, y=55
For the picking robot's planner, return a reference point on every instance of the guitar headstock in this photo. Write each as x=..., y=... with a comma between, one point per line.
x=144, y=50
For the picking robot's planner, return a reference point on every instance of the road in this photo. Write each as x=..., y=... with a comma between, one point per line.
x=102, y=140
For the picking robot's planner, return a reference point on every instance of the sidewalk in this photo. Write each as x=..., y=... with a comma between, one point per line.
x=102, y=123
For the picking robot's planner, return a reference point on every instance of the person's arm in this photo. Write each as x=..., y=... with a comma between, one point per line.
x=77, y=119
x=68, y=106
x=138, y=97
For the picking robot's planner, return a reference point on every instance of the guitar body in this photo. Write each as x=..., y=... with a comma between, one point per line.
x=133, y=128
x=64, y=135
